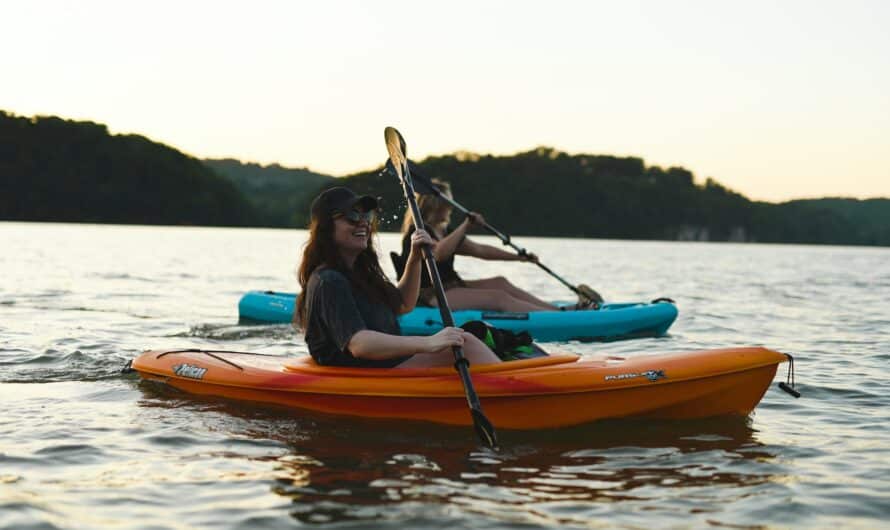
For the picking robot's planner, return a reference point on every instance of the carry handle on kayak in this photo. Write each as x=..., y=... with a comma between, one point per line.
x=397, y=149
x=426, y=187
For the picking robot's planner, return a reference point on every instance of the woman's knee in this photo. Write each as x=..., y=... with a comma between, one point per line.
x=477, y=352
x=501, y=282
x=502, y=300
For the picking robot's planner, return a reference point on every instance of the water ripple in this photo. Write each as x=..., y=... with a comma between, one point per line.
x=81, y=442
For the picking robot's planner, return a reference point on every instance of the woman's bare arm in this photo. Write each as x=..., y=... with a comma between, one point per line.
x=409, y=283
x=373, y=345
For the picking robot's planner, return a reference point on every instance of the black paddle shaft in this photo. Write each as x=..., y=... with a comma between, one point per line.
x=505, y=239
x=484, y=429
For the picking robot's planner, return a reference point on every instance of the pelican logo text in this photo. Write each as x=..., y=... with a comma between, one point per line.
x=189, y=370
x=652, y=375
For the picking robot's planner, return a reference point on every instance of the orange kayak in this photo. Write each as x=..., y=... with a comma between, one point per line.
x=554, y=391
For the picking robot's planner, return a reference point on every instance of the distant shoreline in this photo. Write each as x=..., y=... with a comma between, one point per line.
x=475, y=235
x=56, y=170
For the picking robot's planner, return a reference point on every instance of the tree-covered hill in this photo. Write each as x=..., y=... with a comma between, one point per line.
x=546, y=192
x=837, y=221
x=275, y=191
x=59, y=170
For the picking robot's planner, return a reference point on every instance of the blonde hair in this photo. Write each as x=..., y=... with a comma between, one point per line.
x=434, y=210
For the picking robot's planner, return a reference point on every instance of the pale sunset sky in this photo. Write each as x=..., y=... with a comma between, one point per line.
x=774, y=99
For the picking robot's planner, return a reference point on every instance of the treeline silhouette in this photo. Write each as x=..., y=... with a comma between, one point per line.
x=59, y=170
x=836, y=221
x=277, y=193
x=545, y=192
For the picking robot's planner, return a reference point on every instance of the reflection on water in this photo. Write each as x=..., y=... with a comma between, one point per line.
x=531, y=481
x=337, y=470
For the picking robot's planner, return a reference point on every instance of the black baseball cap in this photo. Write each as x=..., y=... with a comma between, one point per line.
x=340, y=199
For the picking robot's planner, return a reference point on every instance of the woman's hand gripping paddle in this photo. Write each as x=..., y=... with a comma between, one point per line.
x=395, y=145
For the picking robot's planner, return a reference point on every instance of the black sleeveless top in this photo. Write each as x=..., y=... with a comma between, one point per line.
x=446, y=268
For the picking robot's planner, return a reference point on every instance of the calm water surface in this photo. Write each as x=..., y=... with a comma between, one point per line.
x=82, y=446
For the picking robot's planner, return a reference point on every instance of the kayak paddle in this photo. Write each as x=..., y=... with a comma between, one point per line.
x=426, y=187
x=395, y=144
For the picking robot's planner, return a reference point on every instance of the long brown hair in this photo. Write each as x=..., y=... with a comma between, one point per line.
x=431, y=207
x=366, y=274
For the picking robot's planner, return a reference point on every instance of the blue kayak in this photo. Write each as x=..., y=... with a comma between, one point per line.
x=613, y=321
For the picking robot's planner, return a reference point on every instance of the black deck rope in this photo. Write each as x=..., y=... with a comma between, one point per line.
x=199, y=350
x=209, y=353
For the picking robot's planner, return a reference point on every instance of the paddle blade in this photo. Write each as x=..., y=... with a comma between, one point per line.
x=590, y=294
x=484, y=428
x=395, y=146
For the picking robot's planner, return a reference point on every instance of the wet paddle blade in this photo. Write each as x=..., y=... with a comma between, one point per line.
x=395, y=146
x=484, y=428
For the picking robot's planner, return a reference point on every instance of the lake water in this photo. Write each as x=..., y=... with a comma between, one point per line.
x=82, y=446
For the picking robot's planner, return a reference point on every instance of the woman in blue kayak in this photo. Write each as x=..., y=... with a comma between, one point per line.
x=488, y=294
x=347, y=308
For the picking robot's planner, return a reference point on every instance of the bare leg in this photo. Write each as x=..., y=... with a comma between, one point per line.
x=503, y=284
x=489, y=300
x=474, y=350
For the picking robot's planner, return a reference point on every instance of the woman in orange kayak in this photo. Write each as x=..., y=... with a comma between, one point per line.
x=347, y=308
x=492, y=294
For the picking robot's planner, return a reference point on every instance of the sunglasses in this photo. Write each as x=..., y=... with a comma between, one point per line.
x=354, y=217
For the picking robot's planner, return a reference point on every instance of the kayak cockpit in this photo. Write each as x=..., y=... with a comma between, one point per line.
x=307, y=365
